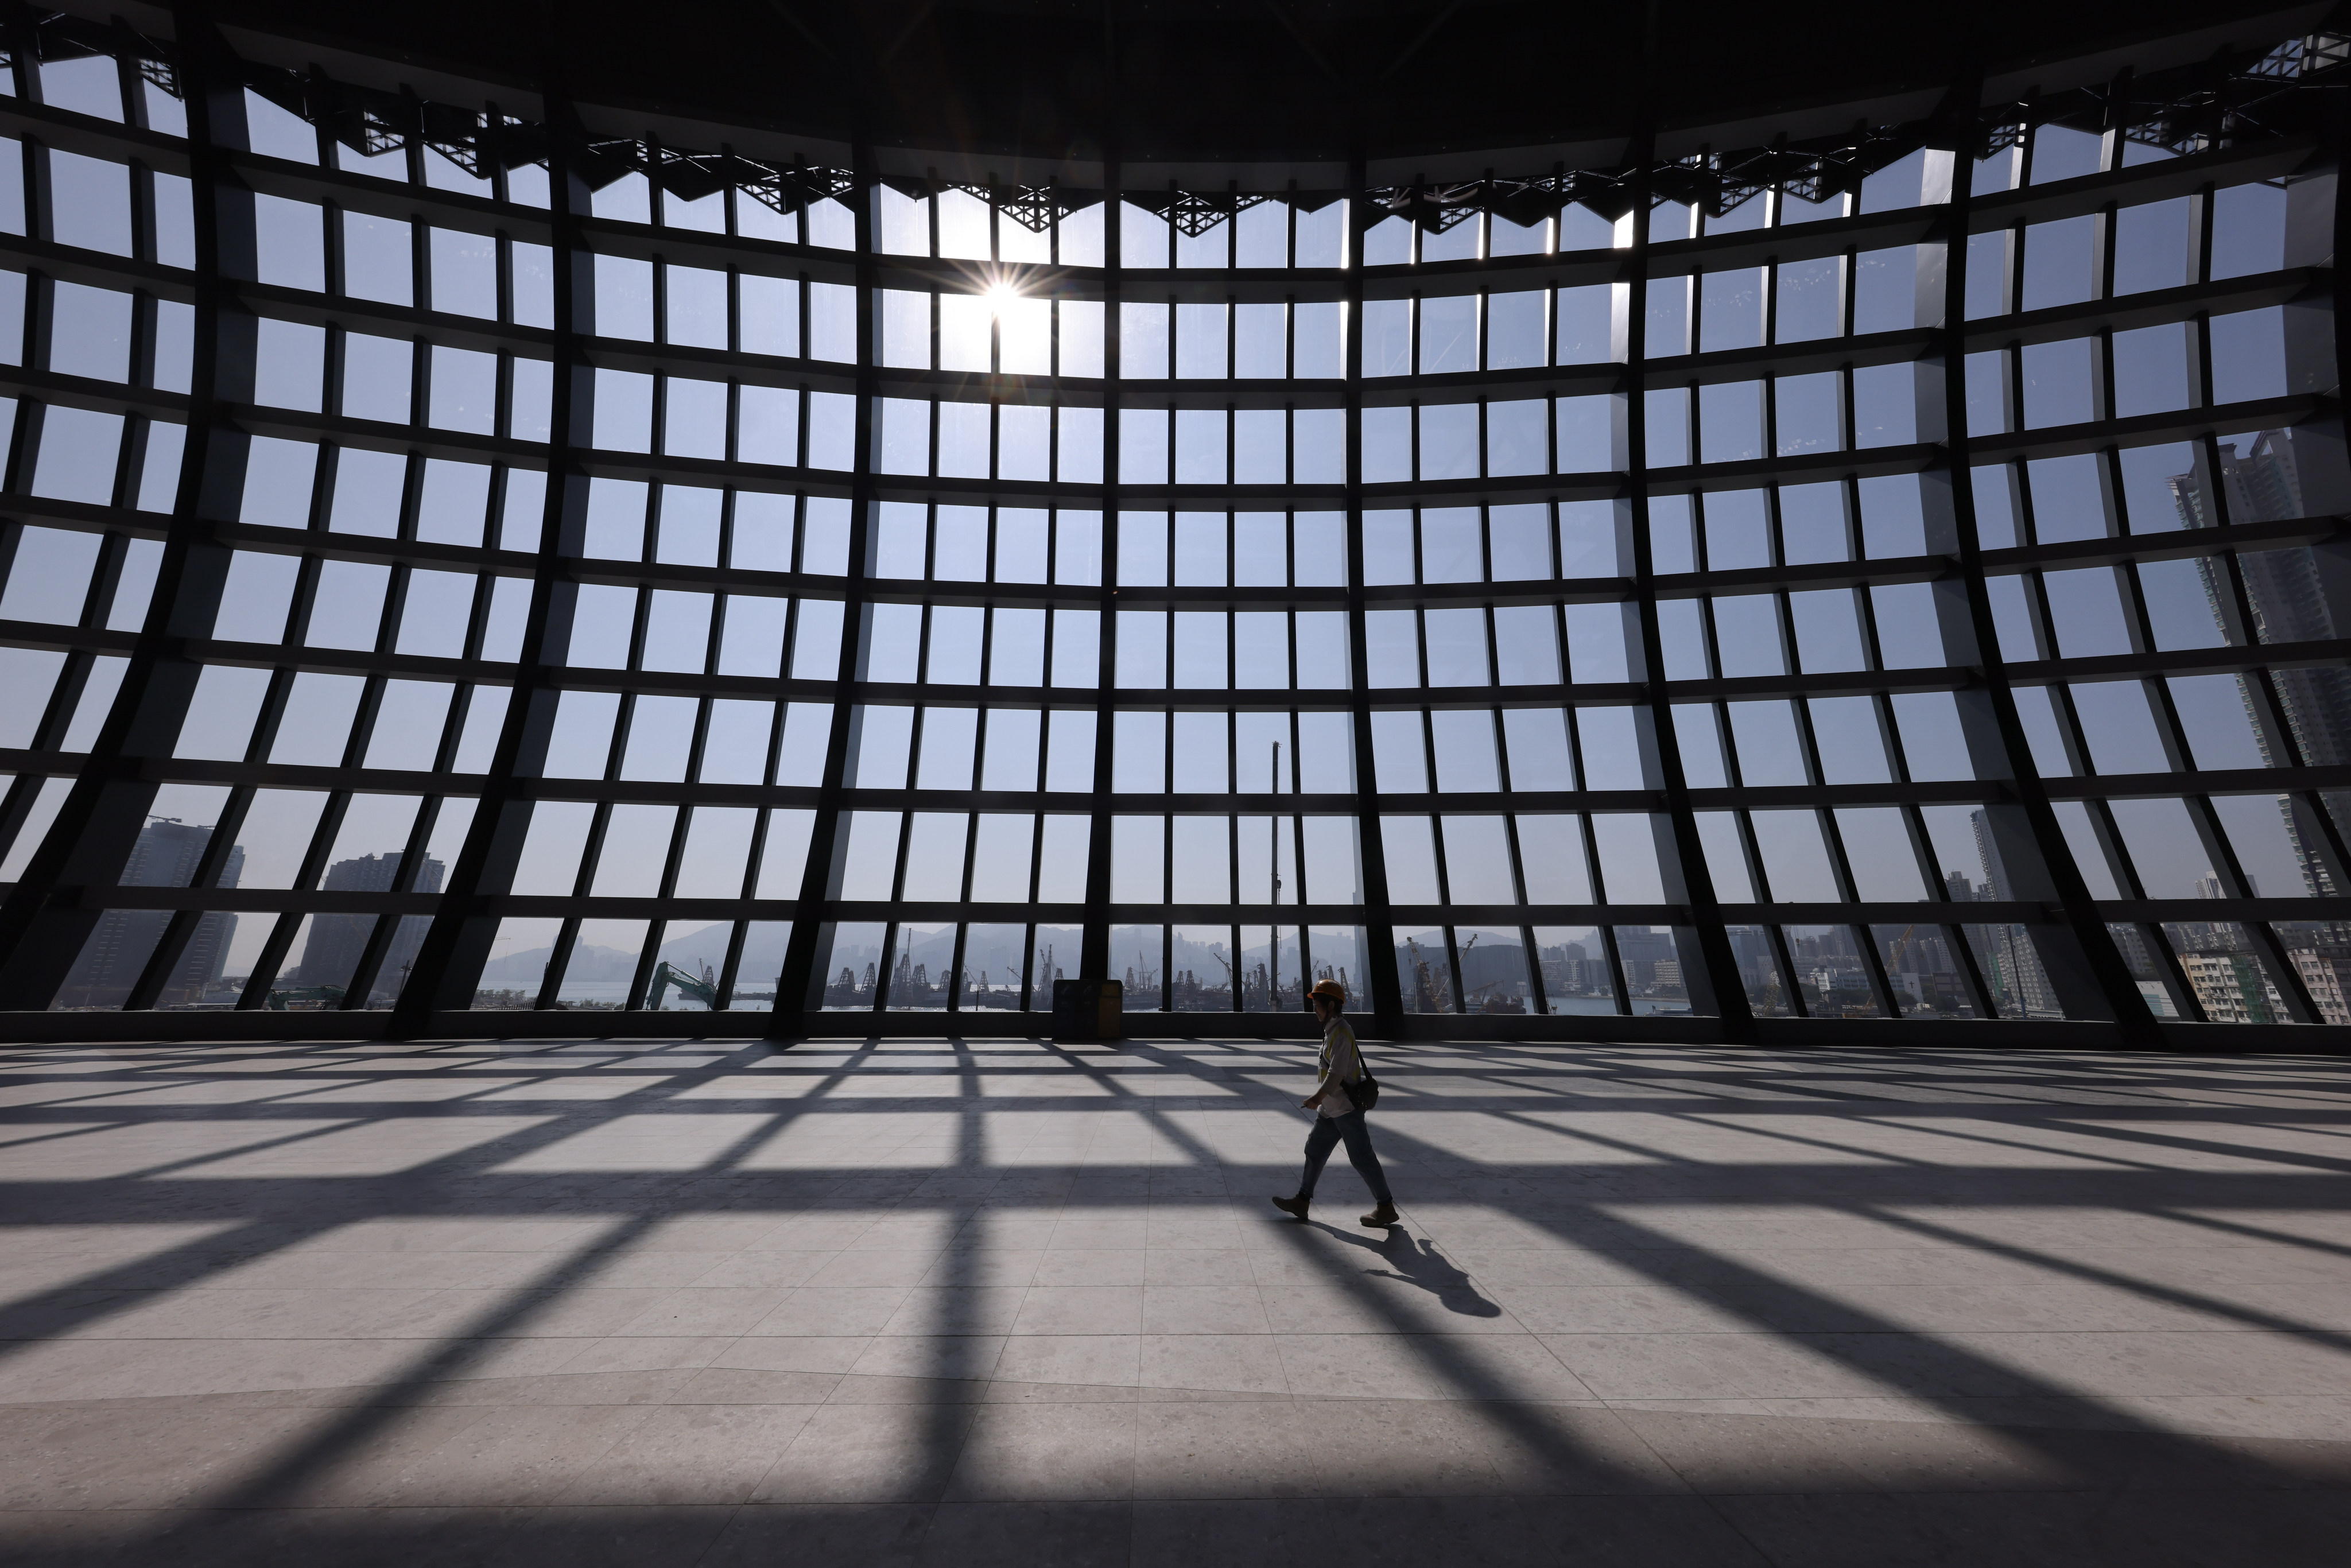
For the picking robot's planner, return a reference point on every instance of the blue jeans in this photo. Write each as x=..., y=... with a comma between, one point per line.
x=1327, y=1131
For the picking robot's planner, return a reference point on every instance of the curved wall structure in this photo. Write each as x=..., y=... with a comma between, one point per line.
x=1874, y=574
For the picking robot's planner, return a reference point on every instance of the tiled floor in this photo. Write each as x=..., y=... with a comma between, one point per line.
x=1001, y=1301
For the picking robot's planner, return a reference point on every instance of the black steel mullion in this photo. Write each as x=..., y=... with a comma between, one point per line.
x=749, y=883
x=1872, y=967
x=558, y=959
x=730, y=965
x=1027, y=966
x=1750, y=852
x=2139, y=625
x=2170, y=733
x=1231, y=818
x=1681, y=854
x=1619, y=981
x=360, y=987
x=448, y=965
x=2312, y=814
x=1970, y=973
x=182, y=926
x=1166, y=853
x=1922, y=850
x=1602, y=932
x=2103, y=980
x=881, y=971
x=2174, y=974
x=954, y=985
x=395, y=603
x=2243, y=627
x=25, y=440
x=98, y=825
x=261, y=982
x=797, y=994
x=363, y=727
x=263, y=977
x=2069, y=728
x=1093, y=949
x=1453, y=963
x=64, y=700
x=1167, y=968
x=1538, y=997
x=2301, y=1006
x=1382, y=981
x=2110, y=845
x=681, y=825
x=1841, y=869
x=24, y=789
x=894, y=930
x=1236, y=974
x=71, y=678
x=1790, y=990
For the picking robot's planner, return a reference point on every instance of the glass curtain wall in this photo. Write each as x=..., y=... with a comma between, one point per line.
x=455, y=570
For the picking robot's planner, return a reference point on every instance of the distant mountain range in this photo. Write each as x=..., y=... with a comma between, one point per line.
x=763, y=954
x=996, y=949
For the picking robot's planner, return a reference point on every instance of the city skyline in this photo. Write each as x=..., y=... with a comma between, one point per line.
x=1202, y=588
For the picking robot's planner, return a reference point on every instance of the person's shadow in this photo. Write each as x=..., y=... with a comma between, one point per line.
x=1420, y=1263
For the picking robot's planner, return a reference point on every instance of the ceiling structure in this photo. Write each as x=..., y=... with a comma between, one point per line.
x=1206, y=80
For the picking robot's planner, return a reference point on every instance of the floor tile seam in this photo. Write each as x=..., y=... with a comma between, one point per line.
x=1561, y=1362
x=1715, y=1505
x=946, y=1470
x=2117, y=1493
x=2020, y=1431
x=1928, y=1333
x=1688, y=1487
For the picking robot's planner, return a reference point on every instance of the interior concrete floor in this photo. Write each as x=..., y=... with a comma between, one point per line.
x=888, y=1301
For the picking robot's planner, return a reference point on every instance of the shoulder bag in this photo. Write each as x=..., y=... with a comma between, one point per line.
x=1364, y=1092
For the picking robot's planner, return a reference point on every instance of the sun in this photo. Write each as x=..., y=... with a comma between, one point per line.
x=999, y=294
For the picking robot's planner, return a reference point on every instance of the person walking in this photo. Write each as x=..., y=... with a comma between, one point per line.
x=1336, y=1117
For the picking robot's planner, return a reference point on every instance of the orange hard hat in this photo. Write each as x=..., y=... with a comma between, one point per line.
x=1331, y=988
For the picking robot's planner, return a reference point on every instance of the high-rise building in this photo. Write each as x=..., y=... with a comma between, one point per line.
x=165, y=855
x=1641, y=948
x=2287, y=602
x=2233, y=988
x=2016, y=975
x=331, y=955
x=2326, y=971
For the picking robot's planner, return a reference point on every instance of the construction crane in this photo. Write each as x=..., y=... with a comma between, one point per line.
x=1474, y=998
x=704, y=990
x=1424, y=980
x=1232, y=980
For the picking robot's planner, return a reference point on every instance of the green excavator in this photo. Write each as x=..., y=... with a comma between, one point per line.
x=310, y=995
x=704, y=990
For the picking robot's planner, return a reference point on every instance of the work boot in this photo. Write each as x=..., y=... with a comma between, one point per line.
x=1293, y=1207
x=1379, y=1218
